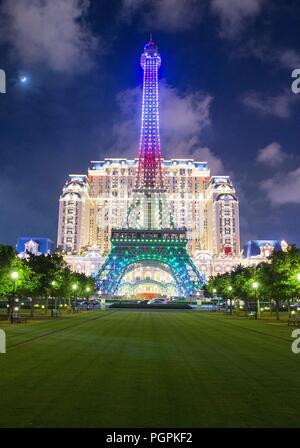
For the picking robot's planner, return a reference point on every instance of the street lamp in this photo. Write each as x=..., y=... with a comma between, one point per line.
x=14, y=275
x=75, y=287
x=53, y=283
x=218, y=299
x=88, y=290
x=230, y=289
x=255, y=286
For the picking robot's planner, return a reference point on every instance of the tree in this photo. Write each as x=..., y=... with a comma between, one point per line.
x=279, y=278
x=25, y=281
x=85, y=286
x=48, y=267
x=40, y=276
x=222, y=284
x=242, y=281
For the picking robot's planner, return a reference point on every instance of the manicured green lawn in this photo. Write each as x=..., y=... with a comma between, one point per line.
x=149, y=369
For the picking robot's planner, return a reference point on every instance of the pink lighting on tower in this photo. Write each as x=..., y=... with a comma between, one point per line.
x=149, y=174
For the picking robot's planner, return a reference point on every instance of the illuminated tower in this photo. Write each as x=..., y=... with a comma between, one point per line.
x=149, y=166
x=149, y=207
x=150, y=236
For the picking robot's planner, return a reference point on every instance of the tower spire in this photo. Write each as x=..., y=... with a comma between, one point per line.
x=149, y=165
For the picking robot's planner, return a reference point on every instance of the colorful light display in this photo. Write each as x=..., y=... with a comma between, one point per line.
x=150, y=235
x=149, y=165
x=166, y=247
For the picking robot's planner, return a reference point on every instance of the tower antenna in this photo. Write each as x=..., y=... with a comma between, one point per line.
x=150, y=37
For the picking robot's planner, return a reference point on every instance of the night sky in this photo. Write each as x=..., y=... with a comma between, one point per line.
x=225, y=98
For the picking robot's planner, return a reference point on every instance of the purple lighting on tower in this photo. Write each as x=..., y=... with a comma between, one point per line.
x=149, y=174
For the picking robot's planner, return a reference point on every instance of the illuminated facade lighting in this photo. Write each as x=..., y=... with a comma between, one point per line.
x=151, y=193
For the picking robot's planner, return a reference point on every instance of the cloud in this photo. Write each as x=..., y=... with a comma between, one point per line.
x=51, y=32
x=215, y=164
x=183, y=117
x=275, y=105
x=168, y=15
x=235, y=15
x=283, y=189
x=262, y=49
x=288, y=58
x=272, y=155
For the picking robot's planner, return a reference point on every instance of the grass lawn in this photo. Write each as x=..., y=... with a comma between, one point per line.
x=149, y=369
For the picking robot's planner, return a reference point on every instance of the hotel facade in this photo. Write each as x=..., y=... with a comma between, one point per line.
x=91, y=205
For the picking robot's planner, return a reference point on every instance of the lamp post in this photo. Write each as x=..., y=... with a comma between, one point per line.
x=88, y=290
x=255, y=286
x=298, y=278
x=214, y=294
x=75, y=287
x=53, y=283
x=230, y=290
x=14, y=275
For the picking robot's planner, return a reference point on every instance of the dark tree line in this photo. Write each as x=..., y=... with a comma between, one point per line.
x=40, y=277
x=276, y=281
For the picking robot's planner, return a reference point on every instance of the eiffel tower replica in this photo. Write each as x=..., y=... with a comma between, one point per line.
x=149, y=236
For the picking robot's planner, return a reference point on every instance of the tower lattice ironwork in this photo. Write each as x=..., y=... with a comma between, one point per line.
x=149, y=165
x=150, y=232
